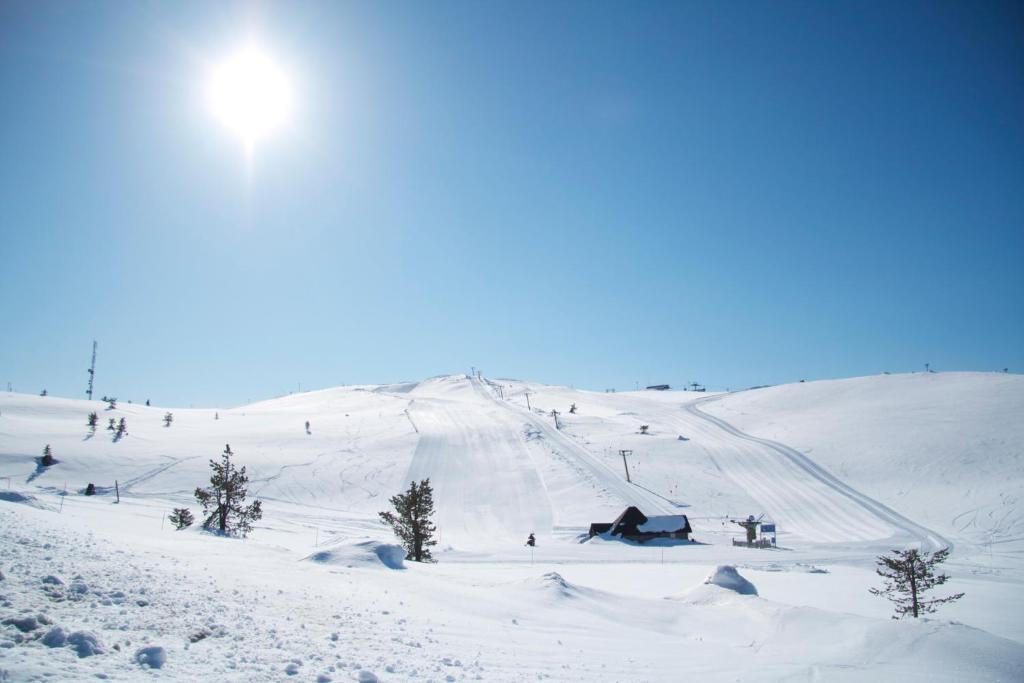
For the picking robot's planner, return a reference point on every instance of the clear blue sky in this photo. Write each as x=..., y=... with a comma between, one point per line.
x=593, y=194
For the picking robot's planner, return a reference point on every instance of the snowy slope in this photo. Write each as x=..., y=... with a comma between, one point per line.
x=946, y=450
x=317, y=591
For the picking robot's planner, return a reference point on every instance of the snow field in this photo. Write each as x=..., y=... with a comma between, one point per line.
x=318, y=593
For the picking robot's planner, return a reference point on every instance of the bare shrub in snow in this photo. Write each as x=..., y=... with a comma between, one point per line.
x=223, y=501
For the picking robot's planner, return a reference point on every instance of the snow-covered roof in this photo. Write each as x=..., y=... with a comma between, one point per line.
x=663, y=523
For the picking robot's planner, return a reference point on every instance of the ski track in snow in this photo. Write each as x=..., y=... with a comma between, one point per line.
x=604, y=476
x=804, y=498
x=468, y=455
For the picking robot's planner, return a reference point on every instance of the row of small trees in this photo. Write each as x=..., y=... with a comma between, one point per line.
x=120, y=426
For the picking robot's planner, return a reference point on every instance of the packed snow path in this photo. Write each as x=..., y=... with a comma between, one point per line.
x=487, y=487
x=804, y=498
x=606, y=478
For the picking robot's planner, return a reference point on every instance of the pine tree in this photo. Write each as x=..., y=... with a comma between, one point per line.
x=43, y=392
x=168, y=419
x=122, y=429
x=92, y=421
x=411, y=520
x=47, y=458
x=907, y=576
x=111, y=403
x=181, y=518
x=113, y=425
x=223, y=501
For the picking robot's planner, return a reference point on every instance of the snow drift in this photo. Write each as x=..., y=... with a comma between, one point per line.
x=362, y=554
x=726, y=576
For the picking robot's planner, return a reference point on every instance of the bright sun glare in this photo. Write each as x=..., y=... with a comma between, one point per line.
x=250, y=94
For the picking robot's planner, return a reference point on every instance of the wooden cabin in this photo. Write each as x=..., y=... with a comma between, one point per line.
x=636, y=526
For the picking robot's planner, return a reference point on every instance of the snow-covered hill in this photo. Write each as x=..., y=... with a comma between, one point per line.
x=946, y=450
x=847, y=469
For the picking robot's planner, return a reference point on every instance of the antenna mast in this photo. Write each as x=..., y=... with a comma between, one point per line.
x=92, y=371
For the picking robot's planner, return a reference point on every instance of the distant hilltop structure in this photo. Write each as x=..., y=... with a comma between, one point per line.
x=659, y=387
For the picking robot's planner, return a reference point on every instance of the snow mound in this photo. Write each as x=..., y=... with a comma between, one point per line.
x=726, y=576
x=153, y=657
x=363, y=553
x=55, y=637
x=552, y=584
x=85, y=644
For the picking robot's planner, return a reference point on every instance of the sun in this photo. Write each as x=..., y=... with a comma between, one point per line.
x=250, y=94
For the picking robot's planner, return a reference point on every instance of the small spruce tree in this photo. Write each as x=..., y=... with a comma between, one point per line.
x=112, y=426
x=907, y=576
x=47, y=459
x=111, y=403
x=181, y=518
x=122, y=429
x=223, y=501
x=92, y=421
x=168, y=418
x=411, y=520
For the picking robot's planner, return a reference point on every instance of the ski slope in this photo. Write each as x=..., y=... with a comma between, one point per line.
x=847, y=469
x=941, y=449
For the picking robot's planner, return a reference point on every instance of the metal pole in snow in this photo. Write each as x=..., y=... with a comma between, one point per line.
x=626, y=464
x=117, y=490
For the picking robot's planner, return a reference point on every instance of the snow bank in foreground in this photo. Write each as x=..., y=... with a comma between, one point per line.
x=362, y=553
x=727, y=577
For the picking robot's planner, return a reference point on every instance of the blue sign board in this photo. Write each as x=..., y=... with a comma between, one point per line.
x=768, y=528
